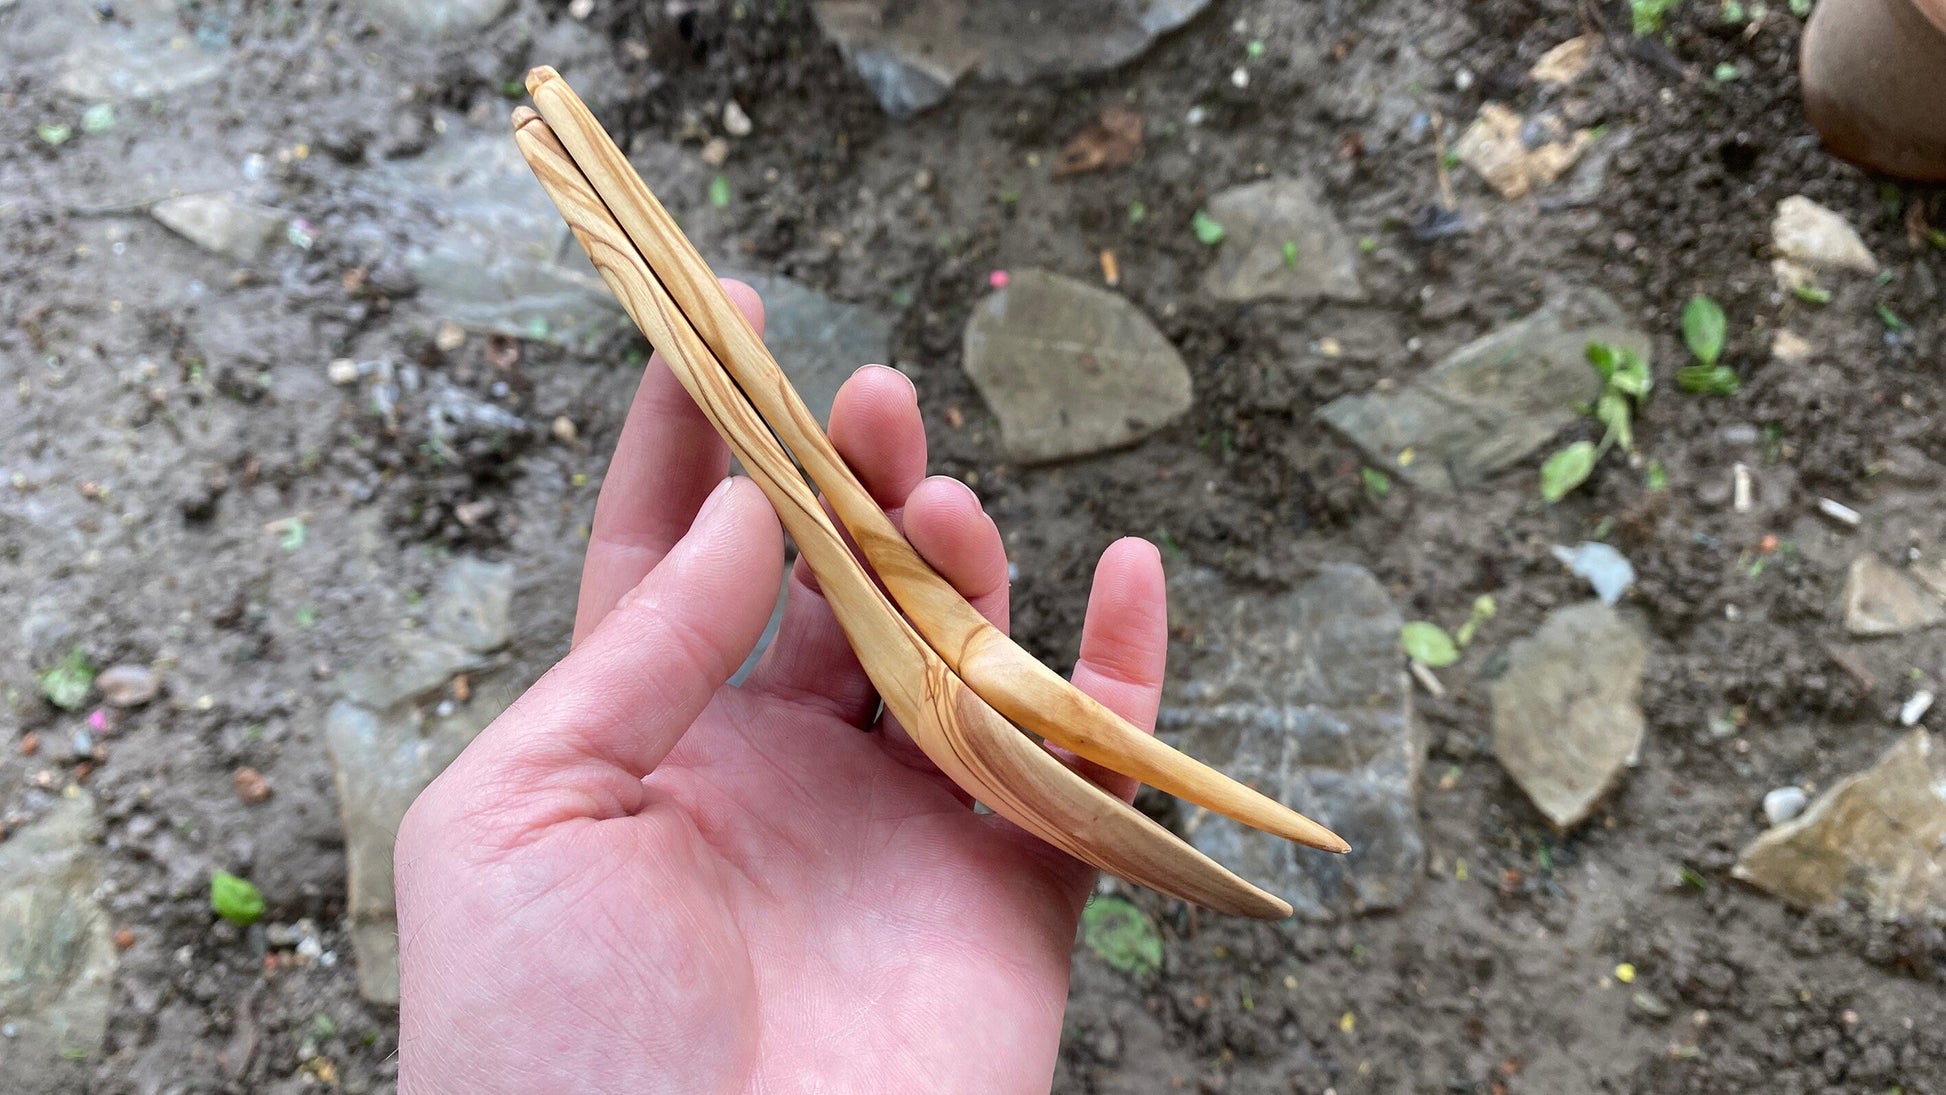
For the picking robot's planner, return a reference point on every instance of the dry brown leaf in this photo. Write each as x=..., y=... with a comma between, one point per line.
x=1112, y=140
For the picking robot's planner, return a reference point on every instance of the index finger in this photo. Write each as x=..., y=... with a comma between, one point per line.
x=666, y=463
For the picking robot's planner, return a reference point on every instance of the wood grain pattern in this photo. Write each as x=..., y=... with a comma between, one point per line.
x=970, y=742
x=1006, y=676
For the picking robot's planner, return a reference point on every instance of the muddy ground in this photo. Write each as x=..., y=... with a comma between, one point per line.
x=164, y=413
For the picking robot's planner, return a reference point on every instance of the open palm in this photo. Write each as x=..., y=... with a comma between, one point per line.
x=641, y=879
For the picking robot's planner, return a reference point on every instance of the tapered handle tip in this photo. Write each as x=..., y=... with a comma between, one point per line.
x=524, y=116
x=539, y=75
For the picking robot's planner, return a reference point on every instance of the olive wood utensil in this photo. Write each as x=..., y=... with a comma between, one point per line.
x=945, y=713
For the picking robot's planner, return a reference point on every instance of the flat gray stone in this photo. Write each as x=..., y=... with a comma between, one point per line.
x=1070, y=369
x=474, y=609
x=911, y=52
x=818, y=341
x=394, y=733
x=1492, y=402
x=1880, y=833
x=1880, y=599
x=57, y=960
x=144, y=53
x=434, y=18
x=487, y=247
x=1567, y=717
x=242, y=230
x=1303, y=695
x=1281, y=242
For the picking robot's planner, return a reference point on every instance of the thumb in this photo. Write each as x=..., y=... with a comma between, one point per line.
x=608, y=713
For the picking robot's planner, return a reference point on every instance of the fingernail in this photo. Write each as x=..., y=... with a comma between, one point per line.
x=909, y=385
x=715, y=499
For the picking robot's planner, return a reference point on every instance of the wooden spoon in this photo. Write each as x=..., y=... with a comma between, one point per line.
x=970, y=742
x=1012, y=680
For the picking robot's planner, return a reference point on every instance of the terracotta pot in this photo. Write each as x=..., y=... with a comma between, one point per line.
x=1874, y=77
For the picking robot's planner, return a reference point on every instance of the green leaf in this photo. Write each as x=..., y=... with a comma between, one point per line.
x=1612, y=410
x=293, y=537
x=1122, y=936
x=1811, y=294
x=1367, y=244
x=1890, y=318
x=1801, y=8
x=54, y=133
x=97, y=119
x=1726, y=72
x=234, y=899
x=1137, y=212
x=719, y=192
x=67, y=685
x=1254, y=49
x=1566, y=470
x=1621, y=368
x=1290, y=254
x=1708, y=379
x=1657, y=477
x=1209, y=231
x=1377, y=483
x=1704, y=328
x=1428, y=644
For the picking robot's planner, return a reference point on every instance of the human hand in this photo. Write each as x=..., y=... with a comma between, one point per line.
x=641, y=879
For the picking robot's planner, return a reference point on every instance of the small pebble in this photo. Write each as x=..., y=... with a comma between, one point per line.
x=451, y=337
x=1784, y=803
x=124, y=939
x=1839, y=512
x=564, y=430
x=1915, y=708
x=128, y=685
x=1649, y=1004
x=343, y=371
x=579, y=10
x=735, y=122
x=251, y=786
x=715, y=151
x=30, y=744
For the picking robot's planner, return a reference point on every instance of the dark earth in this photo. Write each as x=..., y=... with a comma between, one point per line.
x=168, y=412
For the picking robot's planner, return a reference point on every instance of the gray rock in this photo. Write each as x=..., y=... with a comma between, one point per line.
x=141, y=54
x=245, y=231
x=128, y=685
x=1071, y=369
x=1880, y=832
x=1261, y=221
x=474, y=606
x=57, y=961
x=911, y=52
x=434, y=18
x=487, y=249
x=1491, y=402
x=1883, y=600
x=1784, y=803
x=393, y=735
x=818, y=341
x=1566, y=716
x=1807, y=233
x=1303, y=695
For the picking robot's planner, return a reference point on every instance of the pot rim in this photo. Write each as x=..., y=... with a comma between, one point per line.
x=1934, y=11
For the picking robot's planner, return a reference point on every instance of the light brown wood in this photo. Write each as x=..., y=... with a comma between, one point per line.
x=1006, y=676
x=966, y=738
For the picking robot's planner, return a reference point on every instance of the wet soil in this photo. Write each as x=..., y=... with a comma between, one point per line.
x=166, y=418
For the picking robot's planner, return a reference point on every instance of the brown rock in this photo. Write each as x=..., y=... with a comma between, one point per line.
x=1881, y=832
x=1883, y=600
x=128, y=685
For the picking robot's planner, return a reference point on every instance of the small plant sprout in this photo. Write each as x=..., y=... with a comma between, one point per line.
x=1209, y=231
x=1704, y=330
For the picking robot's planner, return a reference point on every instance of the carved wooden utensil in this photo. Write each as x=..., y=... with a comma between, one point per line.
x=940, y=679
